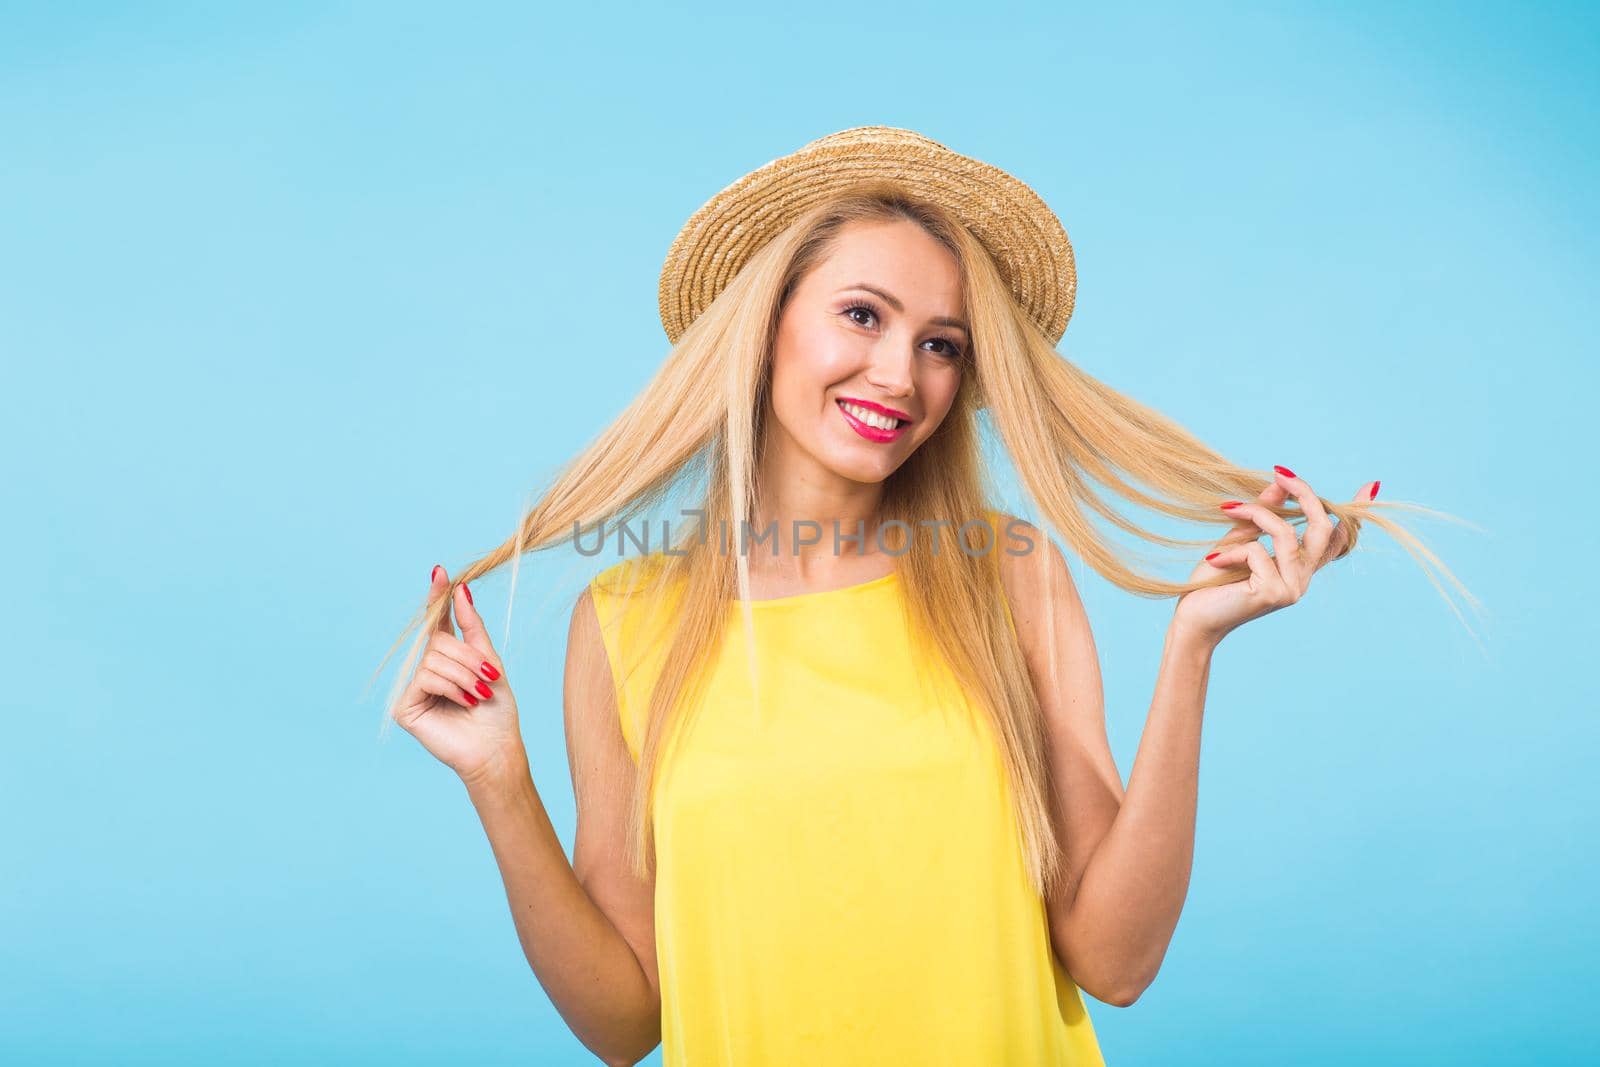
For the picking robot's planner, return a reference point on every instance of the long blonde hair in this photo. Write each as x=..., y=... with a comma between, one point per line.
x=702, y=417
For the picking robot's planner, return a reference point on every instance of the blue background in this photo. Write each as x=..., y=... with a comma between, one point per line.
x=297, y=300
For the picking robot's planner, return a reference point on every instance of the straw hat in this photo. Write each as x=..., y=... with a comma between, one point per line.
x=1026, y=240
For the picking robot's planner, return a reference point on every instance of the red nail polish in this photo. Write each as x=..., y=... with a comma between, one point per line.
x=472, y=701
x=483, y=687
x=1231, y=504
x=433, y=573
x=1213, y=555
x=488, y=671
x=467, y=591
x=1285, y=471
x=1375, y=489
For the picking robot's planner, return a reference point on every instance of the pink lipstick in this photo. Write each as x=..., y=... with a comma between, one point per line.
x=869, y=419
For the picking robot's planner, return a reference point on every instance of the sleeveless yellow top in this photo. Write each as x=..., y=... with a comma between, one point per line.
x=840, y=880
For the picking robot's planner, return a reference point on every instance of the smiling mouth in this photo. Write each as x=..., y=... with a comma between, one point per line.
x=872, y=418
x=873, y=425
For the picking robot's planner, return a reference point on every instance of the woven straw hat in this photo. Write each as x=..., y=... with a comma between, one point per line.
x=1024, y=237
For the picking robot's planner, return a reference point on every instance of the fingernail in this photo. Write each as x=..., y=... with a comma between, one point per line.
x=467, y=591
x=1375, y=489
x=488, y=671
x=1231, y=504
x=483, y=687
x=1285, y=471
x=1213, y=555
x=433, y=573
x=472, y=701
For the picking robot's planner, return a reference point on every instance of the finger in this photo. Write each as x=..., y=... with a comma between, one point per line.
x=476, y=663
x=1319, y=528
x=438, y=586
x=1275, y=493
x=1243, y=530
x=1286, y=546
x=472, y=628
x=439, y=686
x=441, y=664
x=1341, y=534
x=1223, y=558
x=1267, y=577
x=1246, y=530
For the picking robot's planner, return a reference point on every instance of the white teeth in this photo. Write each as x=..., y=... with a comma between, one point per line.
x=871, y=418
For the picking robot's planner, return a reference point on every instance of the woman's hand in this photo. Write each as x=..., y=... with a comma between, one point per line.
x=458, y=703
x=1276, y=580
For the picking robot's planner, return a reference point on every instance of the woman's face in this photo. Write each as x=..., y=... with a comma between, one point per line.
x=867, y=361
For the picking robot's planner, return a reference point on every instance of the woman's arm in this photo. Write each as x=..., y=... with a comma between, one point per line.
x=1126, y=854
x=1111, y=928
x=1120, y=922
x=587, y=929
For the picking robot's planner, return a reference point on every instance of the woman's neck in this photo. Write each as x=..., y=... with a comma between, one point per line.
x=800, y=504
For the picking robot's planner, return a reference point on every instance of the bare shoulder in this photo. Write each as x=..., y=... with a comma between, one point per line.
x=587, y=677
x=1056, y=639
x=1032, y=569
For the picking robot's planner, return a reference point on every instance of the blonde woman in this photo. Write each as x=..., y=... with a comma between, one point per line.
x=844, y=793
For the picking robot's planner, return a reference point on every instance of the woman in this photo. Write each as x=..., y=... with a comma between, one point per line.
x=847, y=797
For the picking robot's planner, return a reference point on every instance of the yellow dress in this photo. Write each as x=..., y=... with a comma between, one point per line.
x=839, y=882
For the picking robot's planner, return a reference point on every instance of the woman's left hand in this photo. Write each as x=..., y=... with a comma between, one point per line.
x=1276, y=580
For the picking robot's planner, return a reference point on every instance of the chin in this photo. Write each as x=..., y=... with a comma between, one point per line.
x=858, y=469
x=866, y=477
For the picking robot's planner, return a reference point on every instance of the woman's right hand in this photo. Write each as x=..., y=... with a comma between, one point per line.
x=459, y=704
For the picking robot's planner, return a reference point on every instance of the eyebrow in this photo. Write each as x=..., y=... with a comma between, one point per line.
x=890, y=299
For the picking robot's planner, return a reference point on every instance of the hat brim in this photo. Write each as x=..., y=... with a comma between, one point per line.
x=1027, y=241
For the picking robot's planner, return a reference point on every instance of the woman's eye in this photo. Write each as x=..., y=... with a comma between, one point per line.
x=951, y=350
x=852, y=309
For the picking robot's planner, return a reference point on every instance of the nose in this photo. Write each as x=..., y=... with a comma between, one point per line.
x=891, y=370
